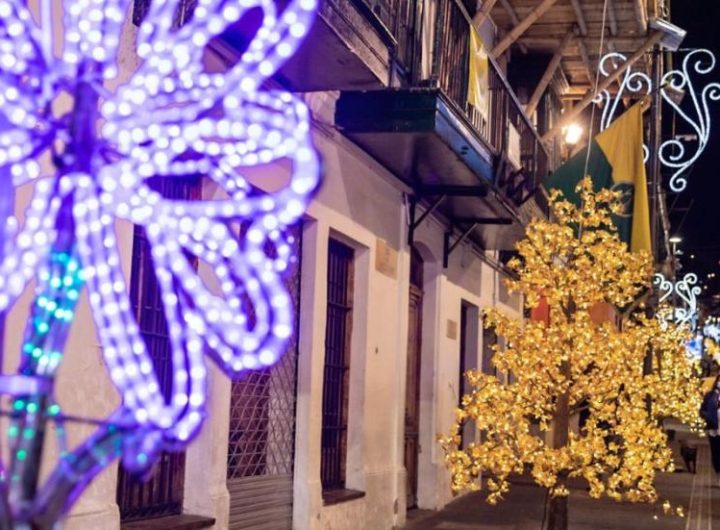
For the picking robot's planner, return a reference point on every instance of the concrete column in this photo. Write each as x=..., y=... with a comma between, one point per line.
x=307, y=489
x=206, y=490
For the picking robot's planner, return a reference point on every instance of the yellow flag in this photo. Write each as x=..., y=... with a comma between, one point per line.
x=622, y=144
x=478, y=83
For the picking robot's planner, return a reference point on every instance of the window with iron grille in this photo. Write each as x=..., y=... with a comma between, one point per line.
x=337, y=366
x=162, y=493
x=262, y=404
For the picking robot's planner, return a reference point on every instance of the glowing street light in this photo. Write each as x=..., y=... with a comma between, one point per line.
x=573, y=133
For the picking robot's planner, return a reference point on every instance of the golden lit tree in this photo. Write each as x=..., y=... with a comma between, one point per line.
x=624, y=381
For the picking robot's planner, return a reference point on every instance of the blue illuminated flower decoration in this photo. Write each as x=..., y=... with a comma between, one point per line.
x=172, y=119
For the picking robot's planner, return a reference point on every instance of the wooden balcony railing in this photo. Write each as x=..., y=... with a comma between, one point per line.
x=450, y=51
x=431, y=48
x=398, y=17
x=450, y=73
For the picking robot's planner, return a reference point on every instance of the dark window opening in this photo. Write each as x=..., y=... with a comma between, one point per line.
x=490, y=339
x=337, y=366
x=162, y=493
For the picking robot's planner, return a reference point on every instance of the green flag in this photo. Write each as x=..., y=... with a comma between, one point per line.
x=615, y=162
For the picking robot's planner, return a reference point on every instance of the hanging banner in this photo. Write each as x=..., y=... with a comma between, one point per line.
x=478, y=81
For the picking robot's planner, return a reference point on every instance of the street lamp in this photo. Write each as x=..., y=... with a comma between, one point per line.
x=675, y=241
x=573, y=133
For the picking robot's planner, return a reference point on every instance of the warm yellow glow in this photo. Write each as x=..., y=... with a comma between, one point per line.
x=576, y=263
x=573, y=133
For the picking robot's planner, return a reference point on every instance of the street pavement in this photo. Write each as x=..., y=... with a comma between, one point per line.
x=523, y=506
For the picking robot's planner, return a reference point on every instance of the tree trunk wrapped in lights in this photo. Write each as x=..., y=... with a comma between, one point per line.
x=571, y=363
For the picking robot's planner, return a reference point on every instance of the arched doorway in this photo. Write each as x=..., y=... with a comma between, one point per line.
x=412, y=386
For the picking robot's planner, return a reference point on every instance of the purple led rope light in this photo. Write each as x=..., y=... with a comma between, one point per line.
x=167, y=111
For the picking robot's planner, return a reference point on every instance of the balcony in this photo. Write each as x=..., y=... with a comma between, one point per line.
x=482, y=171
x=402, y=69
x=353, y=45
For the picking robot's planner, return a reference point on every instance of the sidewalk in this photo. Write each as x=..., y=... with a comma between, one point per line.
x=523, y=507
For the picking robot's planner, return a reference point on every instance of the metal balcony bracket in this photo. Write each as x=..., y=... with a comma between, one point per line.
x=474, y=223
x=448, y=248
x=512, y=182
x=452, y=190
x=437, y=193
x=414, y=220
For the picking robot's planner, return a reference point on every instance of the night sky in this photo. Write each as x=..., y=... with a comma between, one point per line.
x=695, y=213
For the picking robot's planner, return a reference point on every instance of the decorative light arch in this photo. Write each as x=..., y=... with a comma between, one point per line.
x=673, y=153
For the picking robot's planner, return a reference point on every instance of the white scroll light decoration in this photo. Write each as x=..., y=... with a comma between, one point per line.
x=632, y=84
x=172, y=119
x=681, y=295
x=673, y=153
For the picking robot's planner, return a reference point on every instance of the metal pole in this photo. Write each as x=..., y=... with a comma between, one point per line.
x=655, y=141
x=654, y=180
x=51, y=314
x=45, y=336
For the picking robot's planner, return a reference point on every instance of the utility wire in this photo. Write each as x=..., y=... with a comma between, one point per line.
x=595, y=88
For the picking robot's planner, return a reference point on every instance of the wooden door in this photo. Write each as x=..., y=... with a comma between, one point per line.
x=412, y=388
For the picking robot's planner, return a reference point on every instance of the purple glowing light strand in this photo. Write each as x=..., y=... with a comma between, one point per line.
x=275, y=41
x=127, y=356
x=231, y=353
x=92, y=30
x=30, y=247
x=130, y=367
x=24, y=92
x=194, y=290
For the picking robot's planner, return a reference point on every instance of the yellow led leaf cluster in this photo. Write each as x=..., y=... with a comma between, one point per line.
x=626, y=379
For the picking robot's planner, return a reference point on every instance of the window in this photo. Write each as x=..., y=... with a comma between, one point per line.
x=162, y=493
x=337, y=366
x=261, y=441
x=262, y=402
